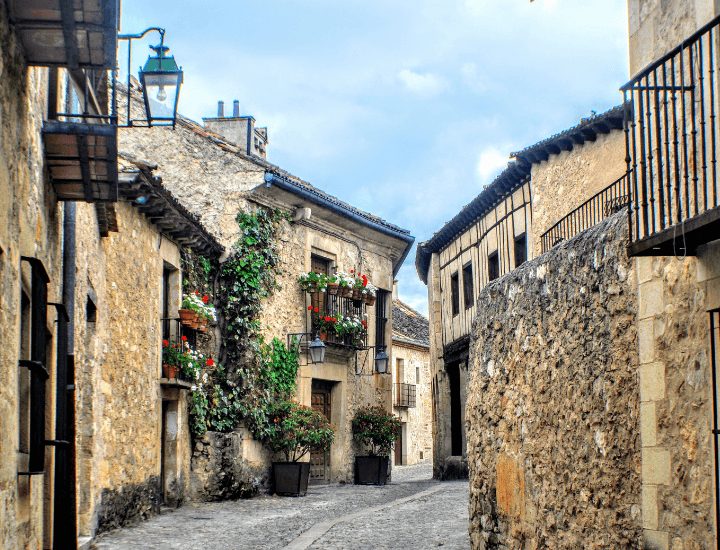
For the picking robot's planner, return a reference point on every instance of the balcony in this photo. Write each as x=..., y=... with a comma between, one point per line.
x=335, y=306
x=673, y=131
x=67, y=33
x=598, y=207
x=404, y=395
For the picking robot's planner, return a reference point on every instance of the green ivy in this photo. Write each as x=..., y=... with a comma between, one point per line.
x=252, y=376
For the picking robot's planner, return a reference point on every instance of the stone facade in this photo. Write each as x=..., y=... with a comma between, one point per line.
x=676, y=402
x=30, y=226
x=216, y=179
x=553, y=414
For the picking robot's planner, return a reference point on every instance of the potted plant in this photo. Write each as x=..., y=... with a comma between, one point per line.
x=173, y=354
x=370, y=293
x=346, y=282
x=313, y=282
x=294, y=431
x=190, y=308
x=377, y=430
x=333, y=284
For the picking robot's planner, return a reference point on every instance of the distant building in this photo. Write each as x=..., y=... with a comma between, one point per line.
x=411, y=384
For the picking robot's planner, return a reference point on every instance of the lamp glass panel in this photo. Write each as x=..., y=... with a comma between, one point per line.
x=161, y=90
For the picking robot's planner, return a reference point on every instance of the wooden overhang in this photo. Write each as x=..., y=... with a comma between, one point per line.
x=161, y=208
x=82, y=160
x=67, y=33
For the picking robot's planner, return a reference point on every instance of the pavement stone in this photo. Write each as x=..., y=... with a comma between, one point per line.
x=411, y=511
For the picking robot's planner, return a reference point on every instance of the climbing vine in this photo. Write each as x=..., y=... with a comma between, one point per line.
x=252, y=375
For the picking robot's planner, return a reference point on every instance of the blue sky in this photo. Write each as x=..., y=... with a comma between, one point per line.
x=404, y=108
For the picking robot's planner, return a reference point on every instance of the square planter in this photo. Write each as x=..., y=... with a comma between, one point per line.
x=291, y=478
x=371, y=470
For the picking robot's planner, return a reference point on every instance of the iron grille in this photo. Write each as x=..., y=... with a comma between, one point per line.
x=672, y=132
x=404, y=395
x=598, y=207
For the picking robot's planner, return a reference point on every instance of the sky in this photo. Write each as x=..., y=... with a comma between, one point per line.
x=403, y=108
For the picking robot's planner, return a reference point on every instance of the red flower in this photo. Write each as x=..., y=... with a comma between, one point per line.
x=205, y=299
x=333, y=319
x=310, y=308
x=209, y=362
x=197, y=293
x=352, y=271
x=165, y=343
x=365, y=280
x=364, y=323
x=183, y=338
x=316, y=310
x=328, y=318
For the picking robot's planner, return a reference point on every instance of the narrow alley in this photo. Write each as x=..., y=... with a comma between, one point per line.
x=413, y=511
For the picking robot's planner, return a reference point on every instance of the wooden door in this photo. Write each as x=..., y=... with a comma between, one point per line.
x=398, y=449
x=320, y=400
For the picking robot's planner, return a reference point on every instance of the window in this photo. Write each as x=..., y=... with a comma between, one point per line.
x=90, y=311
x=399, y=370
x=318, y=264
x=468, y=290
x=417, y=375
x=520, y=250
x=380, y=317
x=493, y=266
x=455, y=293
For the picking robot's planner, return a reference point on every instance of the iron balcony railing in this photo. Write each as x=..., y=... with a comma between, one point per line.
x=335, y=306
x=672, y=132
x=598, y=207
x=404, y=395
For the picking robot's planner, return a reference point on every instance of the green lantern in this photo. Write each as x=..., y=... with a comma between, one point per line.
x=161, y=79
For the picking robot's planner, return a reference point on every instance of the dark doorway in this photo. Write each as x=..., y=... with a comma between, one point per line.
x=453, y=371
x=321, y=402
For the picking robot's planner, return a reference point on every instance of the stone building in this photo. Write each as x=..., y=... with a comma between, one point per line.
x=516, y=218
x=217, y=178
x=91, y=435
x=411, y=383
x=591, y=410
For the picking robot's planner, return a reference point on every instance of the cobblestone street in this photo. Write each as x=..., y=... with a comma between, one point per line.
x=411, y=512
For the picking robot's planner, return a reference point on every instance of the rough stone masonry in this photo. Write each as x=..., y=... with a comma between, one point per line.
x=552, y=413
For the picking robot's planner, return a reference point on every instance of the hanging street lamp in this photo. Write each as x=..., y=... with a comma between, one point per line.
x=160, y=81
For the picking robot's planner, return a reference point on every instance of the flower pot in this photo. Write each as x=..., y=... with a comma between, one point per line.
x=333, y=288
x=346, y=292
x=357, y=294
x=170, y=371
x=323, y=336
x=186, y=316
x=291, y=478
x=370, y=299
x=371, y=470
x=202, y=324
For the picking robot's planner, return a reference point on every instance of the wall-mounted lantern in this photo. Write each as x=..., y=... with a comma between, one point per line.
x=315, y=349
x=381, y=361
x=160, y=79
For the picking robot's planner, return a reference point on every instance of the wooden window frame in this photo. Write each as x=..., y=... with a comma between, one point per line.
x=468, y=285
x=455, y=293
x=493, y=266
x=520, y=248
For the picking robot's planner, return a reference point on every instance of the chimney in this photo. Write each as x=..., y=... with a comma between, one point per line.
x=239, y=130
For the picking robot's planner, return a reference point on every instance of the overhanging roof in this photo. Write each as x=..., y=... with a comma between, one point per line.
x=510, y=179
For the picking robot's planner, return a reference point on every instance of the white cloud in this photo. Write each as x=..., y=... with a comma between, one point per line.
x=490, y=161
x=422, y=84
x=472, y=78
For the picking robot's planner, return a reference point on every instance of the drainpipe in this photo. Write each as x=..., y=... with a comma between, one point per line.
x=65, y=532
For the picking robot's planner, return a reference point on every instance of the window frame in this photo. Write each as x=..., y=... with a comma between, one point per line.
x=468, y=285
x=493, y=266
x=455, y=294
x=521, y=238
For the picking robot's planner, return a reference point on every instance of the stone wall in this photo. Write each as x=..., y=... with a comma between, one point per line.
x=118, y=371
x=30, y=225
x=417, y=438
x=553, y=408
x=676, y=412
x=566, y=180
x=657, y=26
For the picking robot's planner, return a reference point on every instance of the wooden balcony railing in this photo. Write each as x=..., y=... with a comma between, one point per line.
x=598, y=207
x=672, y=133
x=404, y=395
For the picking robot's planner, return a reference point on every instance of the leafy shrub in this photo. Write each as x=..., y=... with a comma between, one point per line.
x=377, y=429
x=295, y=430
